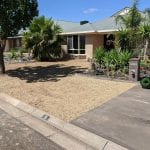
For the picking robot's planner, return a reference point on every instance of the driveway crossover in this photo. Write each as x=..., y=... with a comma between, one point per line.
x=124, y=120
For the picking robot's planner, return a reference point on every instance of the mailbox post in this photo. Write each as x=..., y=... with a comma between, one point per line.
x=134, y=69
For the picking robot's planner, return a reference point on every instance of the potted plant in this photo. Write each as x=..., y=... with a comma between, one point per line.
x=145, y=82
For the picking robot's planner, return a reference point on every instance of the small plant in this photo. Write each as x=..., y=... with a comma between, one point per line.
x=113, y=62
x=145, y=63
x=99, y=55
x=14, y=54
x=21, y=51
x=145, y=83
x=145, y=67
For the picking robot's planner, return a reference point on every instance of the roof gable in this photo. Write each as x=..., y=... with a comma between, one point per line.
x=123, y=11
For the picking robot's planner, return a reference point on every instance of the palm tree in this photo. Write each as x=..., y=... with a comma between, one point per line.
x=144, y=31
x=130, y=23
x=147, y=14
x=124, y=39
x=132, y=19
x=43, y=38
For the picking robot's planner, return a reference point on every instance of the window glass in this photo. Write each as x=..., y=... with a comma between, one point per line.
x=70, y=51
x=75, y=51
x=70, y=42
x=82, y=51
x=14, y=43
x=64, y=41
x=75, y=42
x=82, y=42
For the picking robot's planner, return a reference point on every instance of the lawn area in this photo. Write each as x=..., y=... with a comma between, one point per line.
x=54, y=87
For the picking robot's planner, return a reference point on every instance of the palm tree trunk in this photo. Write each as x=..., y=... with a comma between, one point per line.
x=146, y=47
x=2, y=65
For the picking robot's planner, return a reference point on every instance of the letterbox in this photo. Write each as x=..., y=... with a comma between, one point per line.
x=134, y=69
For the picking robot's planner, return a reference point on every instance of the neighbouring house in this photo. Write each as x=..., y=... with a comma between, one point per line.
x=82, y=38
x=14, y=42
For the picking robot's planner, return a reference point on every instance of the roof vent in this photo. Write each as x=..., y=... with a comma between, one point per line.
x=84, y=22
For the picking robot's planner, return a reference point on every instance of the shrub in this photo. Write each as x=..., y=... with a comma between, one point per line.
x=43, y=39
x=124, y=57
x=145, y=83
x=99, y=55
x=113, y=61
x=14, y=54
x=145, y=63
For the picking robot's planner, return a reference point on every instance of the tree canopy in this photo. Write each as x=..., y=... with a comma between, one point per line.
x=43, y=38
x=130, y=22
x=135, y=30
x=132, y=19
x=14, y=15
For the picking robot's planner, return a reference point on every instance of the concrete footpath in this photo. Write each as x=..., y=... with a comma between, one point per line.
x=124, y=120
x=24, y=127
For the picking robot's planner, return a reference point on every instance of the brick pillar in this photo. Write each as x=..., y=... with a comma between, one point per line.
x=134, y=69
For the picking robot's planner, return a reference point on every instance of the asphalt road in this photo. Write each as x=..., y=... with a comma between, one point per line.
x=14, y=135
x=124, y=120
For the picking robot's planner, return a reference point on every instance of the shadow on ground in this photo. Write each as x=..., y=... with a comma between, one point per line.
x=44, y=73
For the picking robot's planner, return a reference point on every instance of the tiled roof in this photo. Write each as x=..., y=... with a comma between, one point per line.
x=106, y=25
x=80, y=28
x=67, y=25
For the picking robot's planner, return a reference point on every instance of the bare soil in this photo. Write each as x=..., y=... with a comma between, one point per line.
x=55, y=88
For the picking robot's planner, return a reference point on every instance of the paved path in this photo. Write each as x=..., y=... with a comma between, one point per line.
x=124, y=120
x=16, y=136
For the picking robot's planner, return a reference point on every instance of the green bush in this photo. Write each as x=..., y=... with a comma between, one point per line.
x=99, y=55
x=145, y=63
x=114, y=60
x=17, y=53
x=145, y=83
x=124, y=57
x=14, y=54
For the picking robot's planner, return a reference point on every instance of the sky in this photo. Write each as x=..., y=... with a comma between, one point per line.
x=78, y=10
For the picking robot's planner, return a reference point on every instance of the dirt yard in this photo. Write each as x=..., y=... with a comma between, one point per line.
x=54, y=87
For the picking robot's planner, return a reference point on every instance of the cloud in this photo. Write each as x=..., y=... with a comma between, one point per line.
x=90, y=10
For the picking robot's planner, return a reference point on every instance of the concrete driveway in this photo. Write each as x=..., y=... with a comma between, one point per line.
x=124, y=120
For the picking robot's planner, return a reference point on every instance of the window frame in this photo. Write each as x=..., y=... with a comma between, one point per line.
x=72, y=50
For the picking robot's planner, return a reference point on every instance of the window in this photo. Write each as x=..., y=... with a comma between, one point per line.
x=76, y=44
x=82, y=44
x=16, y=42
x=70, y=42
x=64, y=41
x=70, y=46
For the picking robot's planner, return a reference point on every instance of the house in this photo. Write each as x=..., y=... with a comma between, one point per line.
x=14, y=42
x=82, y=38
